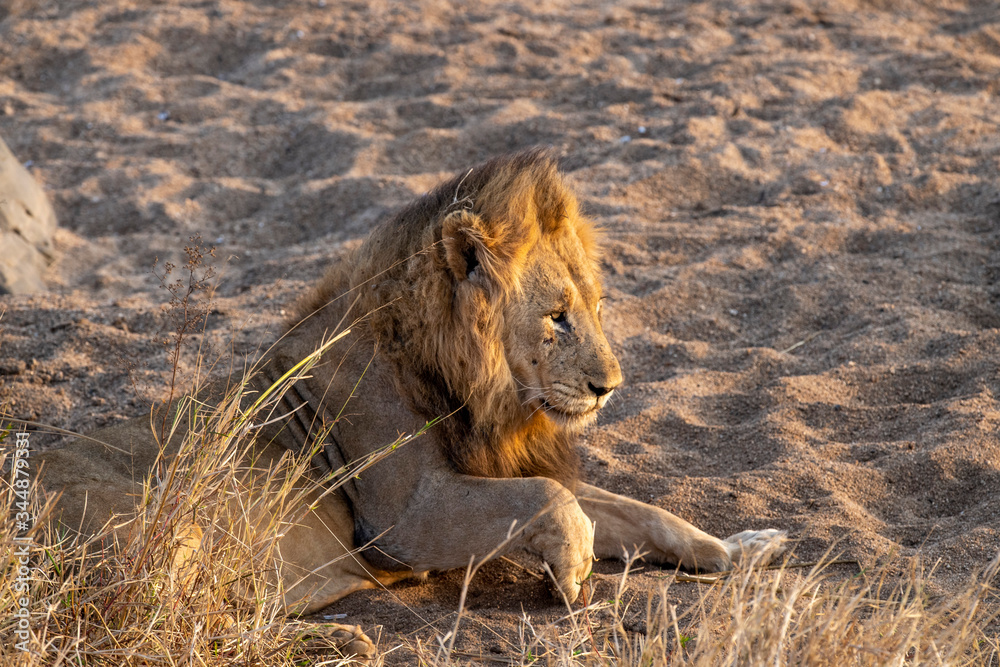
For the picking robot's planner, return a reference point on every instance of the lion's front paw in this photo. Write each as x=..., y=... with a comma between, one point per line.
x=349, y=640
x=571, y=558
x=569, y=579
x=565, y=539
x=760, y=546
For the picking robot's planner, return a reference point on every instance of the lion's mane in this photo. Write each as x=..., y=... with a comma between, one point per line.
x=443, y=333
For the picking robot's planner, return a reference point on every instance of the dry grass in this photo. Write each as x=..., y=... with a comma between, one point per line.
x=142, y=591
x=785, y=617
x=779, y=616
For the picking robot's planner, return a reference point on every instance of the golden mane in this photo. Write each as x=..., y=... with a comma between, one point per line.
x=434, y=281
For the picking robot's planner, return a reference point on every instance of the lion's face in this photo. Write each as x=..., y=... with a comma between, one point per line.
x=555, y=343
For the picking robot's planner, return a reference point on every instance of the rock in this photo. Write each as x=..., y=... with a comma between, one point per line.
x=27, y=223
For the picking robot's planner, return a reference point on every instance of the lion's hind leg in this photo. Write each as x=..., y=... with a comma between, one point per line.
x=760, y=546
x=349, y=640
x=319, y=561
x=623, y=524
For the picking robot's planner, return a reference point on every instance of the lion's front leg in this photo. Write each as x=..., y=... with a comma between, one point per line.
x=451, y=518
x=625, y=524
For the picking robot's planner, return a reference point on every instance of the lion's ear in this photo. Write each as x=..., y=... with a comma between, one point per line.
x=465, y=246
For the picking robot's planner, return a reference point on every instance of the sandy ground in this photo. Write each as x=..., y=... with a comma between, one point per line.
x=801, y=202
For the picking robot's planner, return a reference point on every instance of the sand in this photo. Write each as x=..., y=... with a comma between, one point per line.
x=800, y=199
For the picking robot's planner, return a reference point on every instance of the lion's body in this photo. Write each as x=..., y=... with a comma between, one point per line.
x=478, y=304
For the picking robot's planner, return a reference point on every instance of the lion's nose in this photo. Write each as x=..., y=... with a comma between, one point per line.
x=600, y=391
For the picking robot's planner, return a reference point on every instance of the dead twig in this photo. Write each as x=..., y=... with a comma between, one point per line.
x=801, y=342
x=718, y=576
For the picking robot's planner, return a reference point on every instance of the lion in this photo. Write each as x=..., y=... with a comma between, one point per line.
x=478, y=305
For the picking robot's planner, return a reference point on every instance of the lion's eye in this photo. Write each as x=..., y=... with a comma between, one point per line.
x=559, y=317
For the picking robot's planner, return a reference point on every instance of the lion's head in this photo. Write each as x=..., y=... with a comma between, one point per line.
x=485, y=295
x=521, y=266
x=553, y=338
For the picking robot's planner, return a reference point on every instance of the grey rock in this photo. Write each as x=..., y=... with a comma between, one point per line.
x=27, y=223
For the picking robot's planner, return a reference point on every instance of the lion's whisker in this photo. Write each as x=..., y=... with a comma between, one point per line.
x=534, y=397
x=525, y=386
x=533, y=412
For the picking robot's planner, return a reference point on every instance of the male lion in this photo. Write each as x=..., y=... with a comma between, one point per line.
x=481, y=303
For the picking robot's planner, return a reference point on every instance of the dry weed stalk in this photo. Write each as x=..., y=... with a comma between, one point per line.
x=186, y=312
